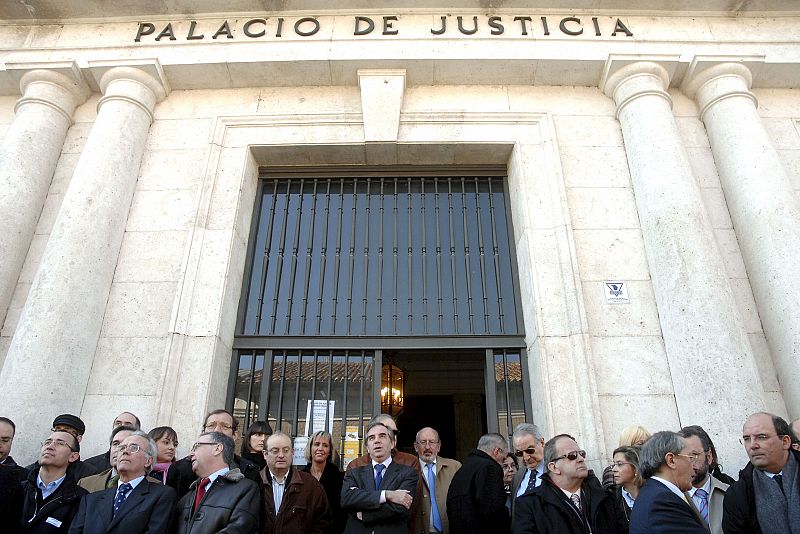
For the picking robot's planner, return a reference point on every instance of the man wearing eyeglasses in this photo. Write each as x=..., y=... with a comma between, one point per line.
x=766, y=498
x=224, y=422
x=109, y=477
x=135, y=505
x=663, y=506
x=221, y=500
x=102, y=462
x=707, y=492
x=570, y=499
x=72, y=424
x=529, y=446
x=437, y=473
x=51, y=493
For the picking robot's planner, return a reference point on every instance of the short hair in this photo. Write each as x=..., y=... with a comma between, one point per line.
x=655, y=449
x=228, y=446
x=528, y=429
x=324, y=434
x=163, y=431
x=119, y=429
x=550, y=448
x=8, y=421
x=697, y=431
x=489, y=442
x=516, y=463
x=377, y=423
x=632, y=434
x=280, y=434
x=258, y=427
x=235, y=425
x=631, y=455
x=138, y=423
x=382, y=417
x=151, y=450
x=416, y=437
x=76, y=445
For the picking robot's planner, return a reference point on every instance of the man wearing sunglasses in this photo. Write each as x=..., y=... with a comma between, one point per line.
x=570, y=499
x=135, y=505
x=529, y=447
x=51, y=493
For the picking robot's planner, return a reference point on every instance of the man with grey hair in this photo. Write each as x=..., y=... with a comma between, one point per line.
x=221, y=499
x=135, y=505
x=570, y=499
x=766, y=498
x=663, y=506
x=529, y=445
x=476, y=500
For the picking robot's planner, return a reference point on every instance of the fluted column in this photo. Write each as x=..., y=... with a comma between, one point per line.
x=706, y=342
x=50, y=358
x=763, y=207
x=28, y=156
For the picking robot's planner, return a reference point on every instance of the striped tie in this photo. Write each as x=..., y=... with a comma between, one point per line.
x=702, y=503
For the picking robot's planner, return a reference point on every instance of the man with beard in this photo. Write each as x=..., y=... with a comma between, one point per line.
x=437, y=472
x=570, y=499
x=707, y=492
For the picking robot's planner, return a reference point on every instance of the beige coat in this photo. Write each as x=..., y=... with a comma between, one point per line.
x=98, y=482
x=445, y=469
x=715, y=500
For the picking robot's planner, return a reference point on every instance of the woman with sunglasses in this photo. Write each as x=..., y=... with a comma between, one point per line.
x=628, y=479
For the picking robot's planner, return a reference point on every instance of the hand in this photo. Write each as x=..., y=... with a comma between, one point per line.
x=401, y=497
x=359, y=516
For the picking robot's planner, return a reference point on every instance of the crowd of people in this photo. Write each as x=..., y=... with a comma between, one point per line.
x=667, y=482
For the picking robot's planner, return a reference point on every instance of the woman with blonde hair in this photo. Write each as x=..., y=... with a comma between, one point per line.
x=322, y=458
x=631, y=436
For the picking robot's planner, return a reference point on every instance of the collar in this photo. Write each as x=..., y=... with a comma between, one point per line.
x=426, y=464
x=275, y=480
x=705, y=487
x=672, y=487
x=629, y=500
x=213, y=476
x=133, y=483
x=54, y=484
x=540, y=468
x=386, y=463
x=770, y=475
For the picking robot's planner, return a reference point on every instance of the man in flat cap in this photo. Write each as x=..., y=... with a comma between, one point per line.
x=71, y=424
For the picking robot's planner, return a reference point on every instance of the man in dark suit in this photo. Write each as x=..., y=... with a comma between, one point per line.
x=378, y=496
x=663, y=506
x=135, y=505
x=102, y=462
x=528, y=443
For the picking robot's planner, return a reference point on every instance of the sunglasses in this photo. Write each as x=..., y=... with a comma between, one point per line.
x=529, y=450
x=571, y=456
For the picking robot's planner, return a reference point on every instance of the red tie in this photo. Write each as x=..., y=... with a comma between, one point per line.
x=201, y=492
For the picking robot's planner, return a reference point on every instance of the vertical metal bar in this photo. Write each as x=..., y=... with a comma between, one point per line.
x=351, y=259
x=424, y=256
x=496, y=255
x=293, y=268
x=267, y=254
x=466, y=253
x=323, y=256
x=365, y=286
x=439, y=301
x=345, y=380
x=309, y=259
x=328, y=393
x=310, y=422
x=250, y=388
x=377, y=371
x=279, y=417
x=394, y=259
x=452, y=252
x=410, y=256
x=281, y=249
x=507, y=393
x=338, y=256
x=380, y=263
x=361, y=395
x=482, y=255
x=233, y=379
x=297, y=393
x=266, y=386
x=492, y=422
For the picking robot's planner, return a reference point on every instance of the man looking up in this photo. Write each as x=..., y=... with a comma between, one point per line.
x=108, y=478
x=102, y=462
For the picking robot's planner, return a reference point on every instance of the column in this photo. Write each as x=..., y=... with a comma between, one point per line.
x=714, y=375
x=763, y=207
x=50, y=358
x=28, y=156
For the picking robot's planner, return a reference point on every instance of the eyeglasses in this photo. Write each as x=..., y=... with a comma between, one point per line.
x=619, y=465
x=571, y=456
x=275, y=450
x=212, y=426
x=690, y=457
x=132, y=448
x=426, y=442
x=194, y=447
x=529, y=450
x=58, y=442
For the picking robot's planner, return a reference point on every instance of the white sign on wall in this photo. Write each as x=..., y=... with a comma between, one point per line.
x=616, y=292
x=299, y=452
x=320, y=408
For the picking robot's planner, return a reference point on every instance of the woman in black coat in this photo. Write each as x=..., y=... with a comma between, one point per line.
x=627, y=480
x=254, y=442
x=321, y=457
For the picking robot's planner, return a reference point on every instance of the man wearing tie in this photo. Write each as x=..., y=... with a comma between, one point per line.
x=378, y=496
x=135, y=505
x=528, y=444
x=707, y=492
x=663, y=506
x=437, y=473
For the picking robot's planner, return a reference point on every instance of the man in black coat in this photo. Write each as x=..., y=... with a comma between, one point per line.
x=71, y=424
x=216, y=421
x=221, y=500
x=766, y=498
x=7, y=432
x=136, y=505
x=51, y=493
x=476, y=500
x=570, y=499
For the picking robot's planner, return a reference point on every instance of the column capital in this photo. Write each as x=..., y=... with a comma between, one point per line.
x=627, y=77
x=57, y=84
x=711, y=79
x=141, y=82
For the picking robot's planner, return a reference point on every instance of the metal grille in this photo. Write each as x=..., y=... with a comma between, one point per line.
x=381, y=256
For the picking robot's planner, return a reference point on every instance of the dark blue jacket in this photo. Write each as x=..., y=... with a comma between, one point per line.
x=659, y=511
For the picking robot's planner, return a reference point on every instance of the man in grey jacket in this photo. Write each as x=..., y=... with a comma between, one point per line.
x=222, y=499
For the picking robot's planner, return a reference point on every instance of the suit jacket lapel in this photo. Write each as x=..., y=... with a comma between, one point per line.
x=133, y=500
x=389, y=475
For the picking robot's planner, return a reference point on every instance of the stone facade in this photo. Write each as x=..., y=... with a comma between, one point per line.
x=669, y=158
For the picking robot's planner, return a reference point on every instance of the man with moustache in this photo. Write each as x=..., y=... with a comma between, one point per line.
x=109, y=477
x=437, y=473
x=51, y=493
x=707, y=492
x=663, y=507
x=378, y=496
x=135, y=505
x=570, y=499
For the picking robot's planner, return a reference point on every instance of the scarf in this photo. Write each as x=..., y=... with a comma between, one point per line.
x=778, y=511
x=162, y=468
